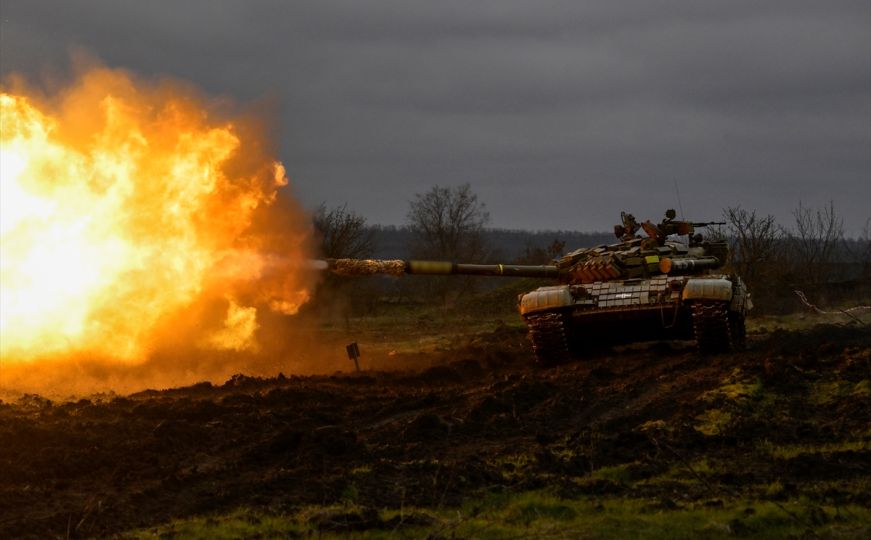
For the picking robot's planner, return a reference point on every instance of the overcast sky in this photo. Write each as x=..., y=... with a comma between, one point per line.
x=559, y=114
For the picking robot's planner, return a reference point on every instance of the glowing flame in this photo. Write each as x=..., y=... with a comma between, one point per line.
x=239, y=326
x=124, y=207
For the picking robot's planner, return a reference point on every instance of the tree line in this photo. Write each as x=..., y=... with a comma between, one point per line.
x=343, y=233
x=810, y=254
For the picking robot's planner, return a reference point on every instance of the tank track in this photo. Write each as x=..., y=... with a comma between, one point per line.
x=548, y=334
x=712, y=326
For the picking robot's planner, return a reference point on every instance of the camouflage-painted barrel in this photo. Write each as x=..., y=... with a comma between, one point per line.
x=362, y=267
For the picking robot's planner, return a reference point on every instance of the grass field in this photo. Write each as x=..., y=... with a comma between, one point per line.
x=471, y=441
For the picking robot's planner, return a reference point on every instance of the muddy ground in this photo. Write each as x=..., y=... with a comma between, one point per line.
x=789, y=418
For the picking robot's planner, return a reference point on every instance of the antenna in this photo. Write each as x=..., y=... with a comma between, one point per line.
x=677, y=193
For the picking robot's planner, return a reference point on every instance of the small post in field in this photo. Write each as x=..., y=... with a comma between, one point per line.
x=354, y=354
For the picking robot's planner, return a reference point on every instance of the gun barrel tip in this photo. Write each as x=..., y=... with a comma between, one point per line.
x=319, y=264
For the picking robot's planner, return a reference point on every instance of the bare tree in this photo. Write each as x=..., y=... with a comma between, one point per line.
x=861, y=252
x=864, y=256
x=542, y=255
x=756, y=243
x=343, y=233
x=818, y=234
x=447, y=223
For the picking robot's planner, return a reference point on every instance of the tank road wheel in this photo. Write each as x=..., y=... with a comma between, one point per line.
x=547, y=331
x=711, y=325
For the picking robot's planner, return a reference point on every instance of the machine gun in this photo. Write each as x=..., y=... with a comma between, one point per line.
x=669, y=226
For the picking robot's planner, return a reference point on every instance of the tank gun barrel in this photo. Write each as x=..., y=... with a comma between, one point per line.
x=515, y=270
x=395, y=267
x=706, y=223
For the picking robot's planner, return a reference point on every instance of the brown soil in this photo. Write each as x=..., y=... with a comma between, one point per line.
x=444, y=435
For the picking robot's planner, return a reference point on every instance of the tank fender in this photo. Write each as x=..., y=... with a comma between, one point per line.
x=545, y=298
x=708, y=289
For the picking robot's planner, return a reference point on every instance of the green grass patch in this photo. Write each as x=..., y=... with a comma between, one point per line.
x=713, y=422
x=513, y=466
x=862, y=389
x=619, y=474
x=687, y=474
x=737, y=386
x=243, y=523
x=828, y=393
x=699, y=467
x=736, y=391
x=542, y=514
x=528, y=508
x=788, y=451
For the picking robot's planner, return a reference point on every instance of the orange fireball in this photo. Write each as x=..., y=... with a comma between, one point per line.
x=125, y=205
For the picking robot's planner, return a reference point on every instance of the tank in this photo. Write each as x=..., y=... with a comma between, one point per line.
x=666, y=285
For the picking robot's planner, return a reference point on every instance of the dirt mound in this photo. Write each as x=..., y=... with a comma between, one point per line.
x=789, y=416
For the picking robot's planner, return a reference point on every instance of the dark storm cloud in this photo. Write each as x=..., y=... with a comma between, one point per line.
x=560, y=114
